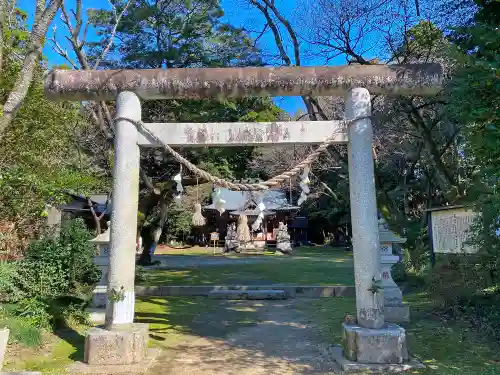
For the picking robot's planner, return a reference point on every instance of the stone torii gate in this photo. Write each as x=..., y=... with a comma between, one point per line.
x=370, y=340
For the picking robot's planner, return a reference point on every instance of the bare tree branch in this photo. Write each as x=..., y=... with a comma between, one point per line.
x=289, y=28
x=103, y=115
x=61, y=51
x=118, y=17
x=272, y=25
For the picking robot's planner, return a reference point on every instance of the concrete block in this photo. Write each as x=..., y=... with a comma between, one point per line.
x=124, y=345
x=386, y=345
x=315, y=291
x=147, y=291
x=291, y=291
x=247, y=294
x=397, y=314
x=4, y=339
x=266, y=294
x=336, y=353
x=350, y=349
x=345, y=291
x=142, y=367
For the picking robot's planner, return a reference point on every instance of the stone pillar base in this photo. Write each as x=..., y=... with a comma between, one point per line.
x=397, y=314
x=336, y=353
x=386, y=345
x=124, y=345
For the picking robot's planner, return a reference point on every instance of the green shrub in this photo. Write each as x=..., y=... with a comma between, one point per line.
x=457, y=279
x=53, y=283
x=75, y=314
x=35, y=311
x=22, y=332
x=10, y=283
x=398, y=272
x=140, y=274
x=62, y=265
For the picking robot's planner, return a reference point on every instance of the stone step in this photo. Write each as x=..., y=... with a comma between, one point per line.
x=252, y=251
x=291, y=291
x=248, y=294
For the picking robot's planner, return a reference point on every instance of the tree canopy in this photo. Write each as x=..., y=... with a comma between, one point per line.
x=428, y=151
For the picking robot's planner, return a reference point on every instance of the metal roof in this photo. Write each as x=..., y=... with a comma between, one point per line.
x=274, y=200
x=80, y=203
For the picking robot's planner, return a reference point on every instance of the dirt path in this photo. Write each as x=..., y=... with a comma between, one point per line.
x=283, y=341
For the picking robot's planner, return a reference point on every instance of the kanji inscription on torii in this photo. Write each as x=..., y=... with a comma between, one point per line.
x=451, y=229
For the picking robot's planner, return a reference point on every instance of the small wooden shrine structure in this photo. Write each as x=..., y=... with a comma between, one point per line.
x=277, y=209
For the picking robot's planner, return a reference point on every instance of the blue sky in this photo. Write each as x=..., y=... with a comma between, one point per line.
x=235, y=13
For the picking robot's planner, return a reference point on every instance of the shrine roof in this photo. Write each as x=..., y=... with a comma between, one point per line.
x=274, y=200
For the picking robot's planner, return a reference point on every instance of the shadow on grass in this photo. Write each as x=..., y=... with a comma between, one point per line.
x=243, y=335
x=75, y=340
x=192, y=316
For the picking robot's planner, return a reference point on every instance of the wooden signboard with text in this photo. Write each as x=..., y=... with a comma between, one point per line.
x=450, y=229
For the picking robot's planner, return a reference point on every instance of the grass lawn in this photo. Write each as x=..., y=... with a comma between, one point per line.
x=308, y=251
x=308, y=265
x=172, y=321
x=446, y=347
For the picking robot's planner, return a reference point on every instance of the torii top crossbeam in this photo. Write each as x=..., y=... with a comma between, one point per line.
x=148, y=84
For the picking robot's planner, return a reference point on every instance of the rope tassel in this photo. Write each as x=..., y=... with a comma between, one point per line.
x=258, y=222
x=304, y=185
x=180, y=189
x=198, y=220
x=218, y=201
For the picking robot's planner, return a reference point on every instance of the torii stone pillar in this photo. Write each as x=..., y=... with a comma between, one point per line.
x=120, y=308
x=369, y=305
x=122, y=342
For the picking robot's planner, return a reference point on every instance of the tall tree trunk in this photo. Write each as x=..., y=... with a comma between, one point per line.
x=152, y=238
x=43, y=18
x=97, y=218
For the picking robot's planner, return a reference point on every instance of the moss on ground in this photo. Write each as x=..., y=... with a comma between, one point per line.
x=172, y=321
x=446, y=347
x=175, y=319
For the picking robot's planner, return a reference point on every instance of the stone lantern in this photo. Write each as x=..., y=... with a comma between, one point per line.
x=101, y=260
x=4, y=339
x=395, y=311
